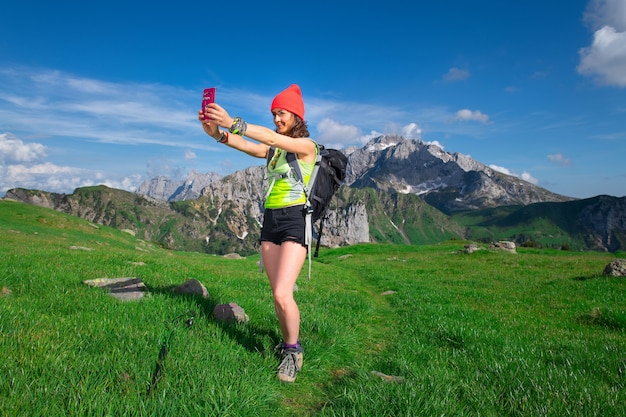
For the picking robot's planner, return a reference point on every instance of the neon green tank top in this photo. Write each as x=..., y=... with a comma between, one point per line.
x=285, y=190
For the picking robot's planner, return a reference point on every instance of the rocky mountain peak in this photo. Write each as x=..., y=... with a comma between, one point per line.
x=449, y=181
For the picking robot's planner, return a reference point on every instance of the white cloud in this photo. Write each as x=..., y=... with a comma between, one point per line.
x=23, y=165
x=127, y=183
x=525, y=175
x=49, y=177
x=560, y=159
x=332, y=132
x=372, y=135
x=500, y=169
x=435, y=143
x=605, y=58
x=190, y=155
x=469, y=115
x=43, y=176
x=13, y=149
x=456, y=74
x=412, y=131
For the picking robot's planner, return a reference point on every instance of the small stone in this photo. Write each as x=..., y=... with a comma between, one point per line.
x=80, y=248
x=388, y=378
x=193, y=287
x=230, y=312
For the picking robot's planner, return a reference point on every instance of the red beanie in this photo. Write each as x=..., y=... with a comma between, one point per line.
x=290, y=99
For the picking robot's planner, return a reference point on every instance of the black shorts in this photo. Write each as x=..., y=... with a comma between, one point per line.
x=284, y=225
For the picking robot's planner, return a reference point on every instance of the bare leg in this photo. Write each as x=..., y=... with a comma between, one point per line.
x=282, y=265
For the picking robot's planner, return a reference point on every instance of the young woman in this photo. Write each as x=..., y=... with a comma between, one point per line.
x=283, y=234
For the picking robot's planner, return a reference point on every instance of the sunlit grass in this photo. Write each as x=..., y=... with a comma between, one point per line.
x=387, y=330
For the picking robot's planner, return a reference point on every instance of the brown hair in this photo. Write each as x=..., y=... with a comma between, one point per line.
x=299, y=129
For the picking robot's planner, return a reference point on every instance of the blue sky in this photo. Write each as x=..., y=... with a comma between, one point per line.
x=108, y=92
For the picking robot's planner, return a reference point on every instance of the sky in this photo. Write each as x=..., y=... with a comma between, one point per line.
x=108, y=92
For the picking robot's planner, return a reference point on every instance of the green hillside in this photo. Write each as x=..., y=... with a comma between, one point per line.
x=597, y=223
x=388, y=330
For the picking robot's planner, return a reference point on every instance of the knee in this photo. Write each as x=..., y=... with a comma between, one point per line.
x=283, y=299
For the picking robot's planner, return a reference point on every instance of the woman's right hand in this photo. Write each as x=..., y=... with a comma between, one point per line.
x=219, y=114
x=210, y=126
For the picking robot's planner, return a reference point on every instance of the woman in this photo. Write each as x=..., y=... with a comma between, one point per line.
x=282, y=239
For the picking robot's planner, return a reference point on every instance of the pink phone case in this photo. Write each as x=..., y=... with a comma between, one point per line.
x=208, y=97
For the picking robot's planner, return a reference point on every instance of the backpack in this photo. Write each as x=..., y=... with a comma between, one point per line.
x=327, y=176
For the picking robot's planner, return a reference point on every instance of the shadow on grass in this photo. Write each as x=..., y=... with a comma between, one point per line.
x=603, y=318
x=248, y=335
x=588, y=277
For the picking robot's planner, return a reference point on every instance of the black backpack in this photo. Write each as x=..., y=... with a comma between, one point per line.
x=327, y=176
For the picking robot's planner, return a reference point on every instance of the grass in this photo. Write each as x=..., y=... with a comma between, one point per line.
x=538, y=333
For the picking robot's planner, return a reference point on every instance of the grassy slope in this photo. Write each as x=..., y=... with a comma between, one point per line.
x=491, y=333
x=546, y=224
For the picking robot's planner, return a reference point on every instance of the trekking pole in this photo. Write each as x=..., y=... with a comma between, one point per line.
x=165, y=345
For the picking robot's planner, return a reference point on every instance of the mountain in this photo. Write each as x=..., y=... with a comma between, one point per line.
x=225, y=219
x=163, y=188
x=448, y=181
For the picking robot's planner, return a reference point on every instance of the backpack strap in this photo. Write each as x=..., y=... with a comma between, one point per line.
x=292, y=160
x=270, y=154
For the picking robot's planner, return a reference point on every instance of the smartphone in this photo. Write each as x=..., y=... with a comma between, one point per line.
x=207, y=98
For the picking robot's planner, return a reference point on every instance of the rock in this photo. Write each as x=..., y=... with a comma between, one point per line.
x=192, y=287
x=471, y=248
x=504, y=245
x=124, y=289
x=80, y=248
x=388, y=378
x=233, y=256
x=616, y=268
x=230, y=312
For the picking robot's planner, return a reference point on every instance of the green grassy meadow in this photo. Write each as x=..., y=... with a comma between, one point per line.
x=388, y=330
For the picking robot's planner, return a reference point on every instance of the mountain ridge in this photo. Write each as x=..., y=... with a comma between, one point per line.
x=396, y=190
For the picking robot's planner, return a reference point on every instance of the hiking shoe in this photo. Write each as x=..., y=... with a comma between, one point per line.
x=290, y=364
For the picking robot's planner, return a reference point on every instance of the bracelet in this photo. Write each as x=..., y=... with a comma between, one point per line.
x=223, y=138
x=238, y=127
